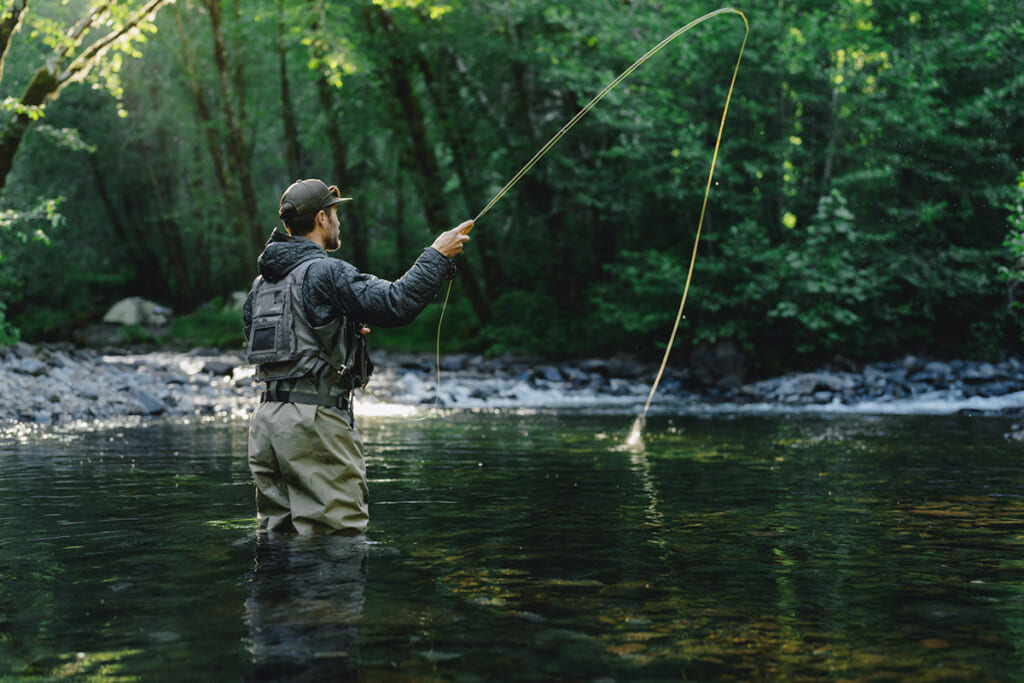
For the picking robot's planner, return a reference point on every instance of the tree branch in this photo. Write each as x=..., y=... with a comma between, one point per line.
x=80, y=65
x=10, y=22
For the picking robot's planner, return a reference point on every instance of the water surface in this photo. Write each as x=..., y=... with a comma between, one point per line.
x=529, y=547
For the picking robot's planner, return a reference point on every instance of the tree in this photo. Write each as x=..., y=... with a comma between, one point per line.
x=69, y=62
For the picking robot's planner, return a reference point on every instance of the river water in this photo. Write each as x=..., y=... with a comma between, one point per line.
x=526, y=546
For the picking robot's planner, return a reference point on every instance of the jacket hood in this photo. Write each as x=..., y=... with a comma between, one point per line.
x=282, y=253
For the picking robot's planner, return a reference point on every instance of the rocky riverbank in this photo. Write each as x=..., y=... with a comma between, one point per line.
x=60, y=383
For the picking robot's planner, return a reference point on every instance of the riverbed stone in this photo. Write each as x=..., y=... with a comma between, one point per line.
x=593, y=366
x=722, y=365
x=31, y=366
x=218, y=367
x=549, y=373
x=983, y=372
x=455, y=362
x=67, y=383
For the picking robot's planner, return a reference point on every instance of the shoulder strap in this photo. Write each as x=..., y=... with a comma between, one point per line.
x=344, y=367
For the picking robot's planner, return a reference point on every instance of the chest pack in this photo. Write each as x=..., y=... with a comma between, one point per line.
x=285, y=347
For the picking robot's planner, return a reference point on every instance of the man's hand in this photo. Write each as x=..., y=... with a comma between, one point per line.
x=450, y=242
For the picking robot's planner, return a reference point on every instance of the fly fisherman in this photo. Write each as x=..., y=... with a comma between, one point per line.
x=303, y=324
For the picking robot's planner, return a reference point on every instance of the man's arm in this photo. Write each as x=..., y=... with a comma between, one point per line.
x=334, y=288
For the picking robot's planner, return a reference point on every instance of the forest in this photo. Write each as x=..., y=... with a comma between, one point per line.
x=868, y=197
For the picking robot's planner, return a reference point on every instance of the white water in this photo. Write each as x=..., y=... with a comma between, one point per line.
x=413, y=395
x=396, y=393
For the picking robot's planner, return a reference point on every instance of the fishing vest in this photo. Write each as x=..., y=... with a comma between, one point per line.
x=300, y=363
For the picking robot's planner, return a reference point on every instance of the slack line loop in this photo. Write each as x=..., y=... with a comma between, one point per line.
x=636, y=434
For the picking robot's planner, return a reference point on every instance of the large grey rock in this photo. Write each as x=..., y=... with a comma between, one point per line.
x=720, y=366
x=31, y=366
x=149, y=404
x=137, y=311
x=810, y=383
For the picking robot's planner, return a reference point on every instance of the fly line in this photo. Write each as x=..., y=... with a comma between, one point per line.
x=636, y=432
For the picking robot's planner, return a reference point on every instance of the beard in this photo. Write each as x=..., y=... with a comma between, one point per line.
x=332, y=243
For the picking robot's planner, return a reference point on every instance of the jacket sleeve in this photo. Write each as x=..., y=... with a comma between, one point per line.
x=336, y=288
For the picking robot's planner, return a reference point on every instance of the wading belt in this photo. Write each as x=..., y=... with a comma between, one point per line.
x=275, y=395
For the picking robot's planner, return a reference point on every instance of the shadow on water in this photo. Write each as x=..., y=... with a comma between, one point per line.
x=527, y=547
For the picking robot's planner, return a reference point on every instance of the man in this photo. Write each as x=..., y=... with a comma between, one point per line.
x=303, y=324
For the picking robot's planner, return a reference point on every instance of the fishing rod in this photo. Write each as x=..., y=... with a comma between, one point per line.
x=635, y=435
x=611, y=86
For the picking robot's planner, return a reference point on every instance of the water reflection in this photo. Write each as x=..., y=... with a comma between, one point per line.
x=307, y=595
x=528, y=548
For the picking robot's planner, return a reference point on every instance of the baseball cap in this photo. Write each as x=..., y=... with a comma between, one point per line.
x=306, y=197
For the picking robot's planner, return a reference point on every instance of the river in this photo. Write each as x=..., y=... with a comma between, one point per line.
x=526, y=545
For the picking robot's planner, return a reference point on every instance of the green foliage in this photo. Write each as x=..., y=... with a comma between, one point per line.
x=1013, y=274
x=421, y=335
x=829, y=290
x=858, y=206
x=212, y=325
x=523, y=324
x=11, y=105
x=8, y=333
x=21, y=230
x=133, y=335
x=826, y=284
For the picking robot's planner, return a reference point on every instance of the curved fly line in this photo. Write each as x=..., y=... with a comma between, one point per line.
x=636, y=432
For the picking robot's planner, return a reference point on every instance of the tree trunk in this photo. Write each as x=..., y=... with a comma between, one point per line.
x=144, y=259
x=10, y=22
x=244, y=200
x=176, y=274
x=355, y=224
x=833, y=139
x=213, y=143
x=44, y=85
x=454, y=131
x=427, y=172
x=293, y=150
x=174, y=279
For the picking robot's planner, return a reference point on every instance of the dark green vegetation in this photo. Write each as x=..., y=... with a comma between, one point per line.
x=866, y=199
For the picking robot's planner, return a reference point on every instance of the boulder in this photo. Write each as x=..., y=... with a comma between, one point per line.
x=455, y=362
x=236, y=301
x=720, y=366
x=810, y=383
x=30, y=366
x=137, y=311
x=549, y=373
x=148, y=404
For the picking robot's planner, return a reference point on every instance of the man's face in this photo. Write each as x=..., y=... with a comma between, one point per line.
x=332, y=235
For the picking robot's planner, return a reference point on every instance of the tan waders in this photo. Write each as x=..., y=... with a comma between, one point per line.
x=307, y=462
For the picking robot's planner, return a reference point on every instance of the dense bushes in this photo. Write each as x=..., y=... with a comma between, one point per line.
x=859, y=207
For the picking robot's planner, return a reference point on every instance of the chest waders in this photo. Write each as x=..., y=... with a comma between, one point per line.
x=297, y=362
